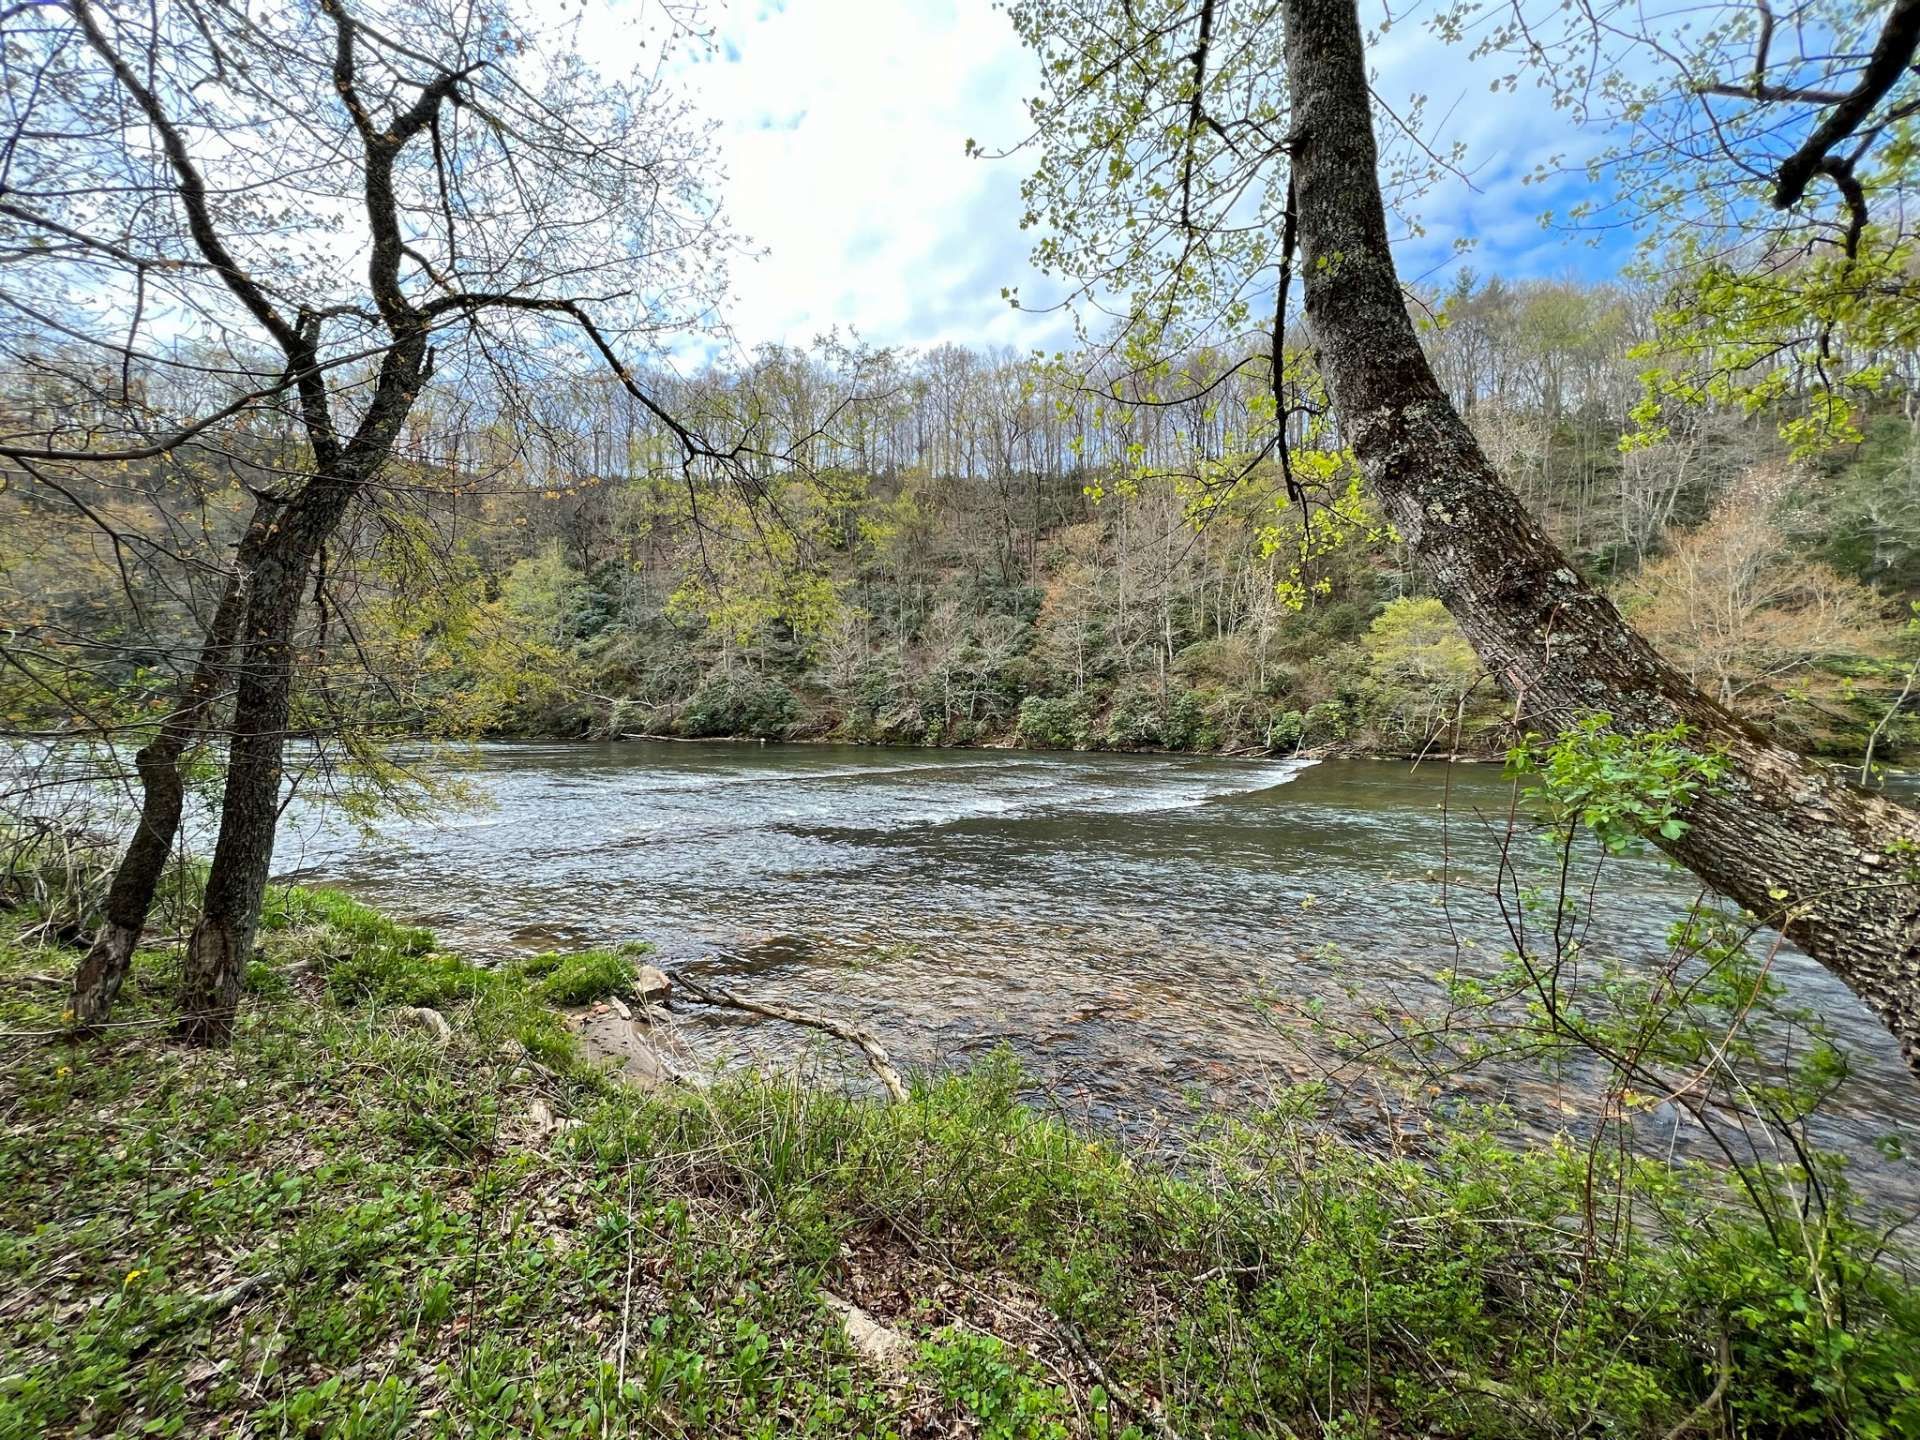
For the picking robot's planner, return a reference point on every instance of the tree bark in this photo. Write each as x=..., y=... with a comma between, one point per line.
x=222, y=941
x=1794, y=843
x=163, y=792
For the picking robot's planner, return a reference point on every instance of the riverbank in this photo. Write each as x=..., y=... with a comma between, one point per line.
x=1486, y=744
x=354, y=1224
x=1485, y=753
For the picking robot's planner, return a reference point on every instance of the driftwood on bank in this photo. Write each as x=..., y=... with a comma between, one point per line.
x=876, y=1054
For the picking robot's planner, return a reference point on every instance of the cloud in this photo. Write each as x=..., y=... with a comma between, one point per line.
x=843, y=124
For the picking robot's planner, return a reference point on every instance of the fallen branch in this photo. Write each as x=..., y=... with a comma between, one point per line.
x=853, y=1034
x=1152, y=1417
x=198, y=1309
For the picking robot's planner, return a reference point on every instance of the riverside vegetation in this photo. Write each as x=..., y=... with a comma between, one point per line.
x=985, y=548
x=345, y=1226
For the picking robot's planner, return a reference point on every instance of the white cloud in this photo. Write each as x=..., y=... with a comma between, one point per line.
x=843, y=124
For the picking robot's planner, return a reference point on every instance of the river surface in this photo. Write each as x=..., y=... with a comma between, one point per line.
x=1146, y=932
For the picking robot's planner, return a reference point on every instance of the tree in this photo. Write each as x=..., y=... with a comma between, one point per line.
x=1182, y=100
x=1419, y=654
x=350, y=204
x=1741, y=615
x=1766, y=154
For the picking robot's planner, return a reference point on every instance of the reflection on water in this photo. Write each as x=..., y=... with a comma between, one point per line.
x=1113, y=918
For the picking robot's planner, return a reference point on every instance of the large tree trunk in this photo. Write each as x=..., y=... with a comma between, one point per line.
x=162, y=797
x=250, y=807
x=1797, y=845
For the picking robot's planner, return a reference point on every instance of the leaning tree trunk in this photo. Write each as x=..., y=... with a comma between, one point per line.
x=250, y=806
x=162, y=797
x=1827, y=862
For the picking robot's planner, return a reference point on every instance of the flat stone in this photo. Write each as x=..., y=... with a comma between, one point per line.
x=880, y=1345
x=422, y=1017
x=651, y=984
x=623, y=1045
x=546, y=1123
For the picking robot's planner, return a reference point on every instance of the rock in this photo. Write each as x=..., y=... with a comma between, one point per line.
x=651, y=984
x=655, y=1015
x=881, y=1346
x=620, y=1007
x=546, y=1123
x=422, y=1017
x=627, y=1046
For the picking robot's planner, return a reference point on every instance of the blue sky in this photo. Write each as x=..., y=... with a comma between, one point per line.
x=843, y=124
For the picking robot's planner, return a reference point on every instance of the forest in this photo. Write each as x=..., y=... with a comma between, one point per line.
x=976, y=548
x=1326, y=844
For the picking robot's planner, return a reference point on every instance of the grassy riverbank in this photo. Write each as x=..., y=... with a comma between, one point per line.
x=349, y=1226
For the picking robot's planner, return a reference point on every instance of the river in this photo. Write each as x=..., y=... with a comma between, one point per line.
x=1144, y=931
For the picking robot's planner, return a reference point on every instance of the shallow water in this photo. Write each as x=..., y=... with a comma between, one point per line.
x=1117, y=920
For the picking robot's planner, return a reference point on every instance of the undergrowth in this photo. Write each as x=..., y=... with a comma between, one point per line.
x=341, y=1227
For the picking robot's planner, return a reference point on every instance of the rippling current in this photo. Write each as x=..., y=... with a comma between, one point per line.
x=1136, y=928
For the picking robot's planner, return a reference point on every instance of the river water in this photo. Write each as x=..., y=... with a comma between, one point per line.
x=1144, y=931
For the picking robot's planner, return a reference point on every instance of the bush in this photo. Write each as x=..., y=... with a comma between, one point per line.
x=1286, y=730
x=1053, y=724
x=1325, y=723
x=54, y=880
x=749, y=705
x=1134, y=722
x=1190, y=724
x=981, y=1377
x=1225, y=660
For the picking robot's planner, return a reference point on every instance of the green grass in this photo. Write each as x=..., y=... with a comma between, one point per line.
x=418, y=1257
x=583, y=976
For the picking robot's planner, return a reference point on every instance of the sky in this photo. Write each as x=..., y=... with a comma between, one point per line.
x=843, y=125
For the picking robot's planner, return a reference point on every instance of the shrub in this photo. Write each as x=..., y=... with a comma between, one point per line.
x=748, y=705
x=1190, y=724
x=1286, y=730
x=982, y=1378
x=1053, y=724
x=1220, y=660
x=1134, y=722
x=1326, y=722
